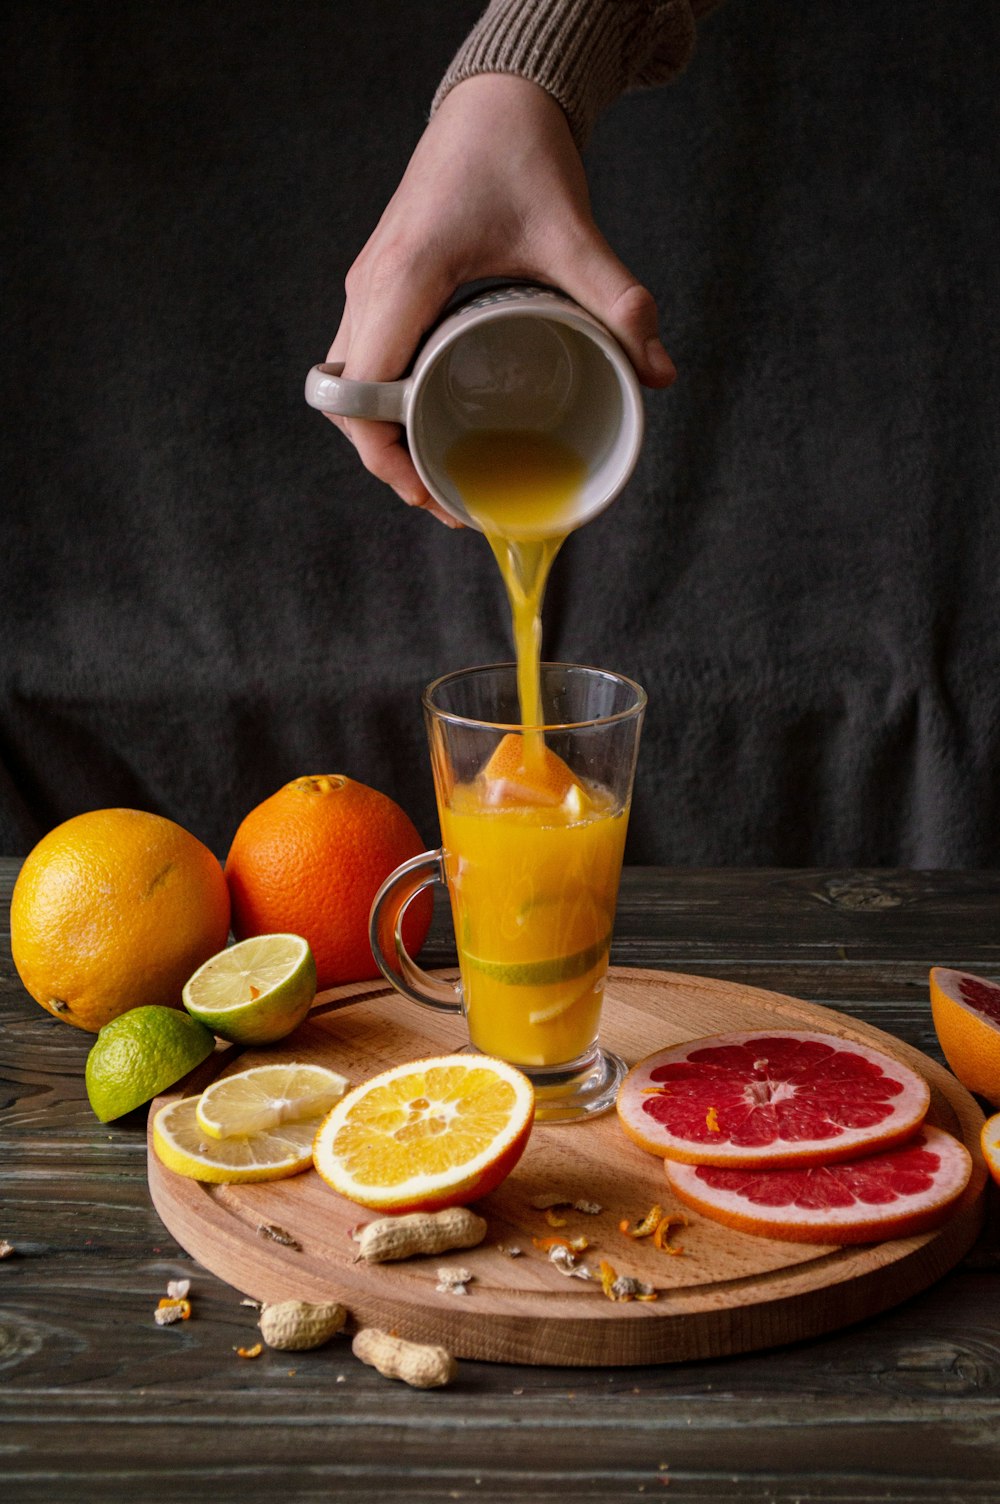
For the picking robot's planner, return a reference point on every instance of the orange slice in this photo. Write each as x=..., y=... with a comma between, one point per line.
x=990, y=1140
x=520, y=774
x=966, y=1013
x=426, y=1135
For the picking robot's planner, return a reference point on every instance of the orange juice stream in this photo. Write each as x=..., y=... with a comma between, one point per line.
x=533, y=853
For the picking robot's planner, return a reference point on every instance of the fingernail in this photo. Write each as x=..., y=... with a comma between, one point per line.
x=659, y=360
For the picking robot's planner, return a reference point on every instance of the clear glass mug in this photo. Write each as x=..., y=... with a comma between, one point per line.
x=533, y=824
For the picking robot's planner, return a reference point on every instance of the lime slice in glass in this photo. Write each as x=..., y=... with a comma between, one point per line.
x=254, y=992
x=542, y=973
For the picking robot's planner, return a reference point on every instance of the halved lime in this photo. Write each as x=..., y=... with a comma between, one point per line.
x=256, y=991
x=182, y=1147
x=267, y=1097
x=139, y=1054
x=541, y=973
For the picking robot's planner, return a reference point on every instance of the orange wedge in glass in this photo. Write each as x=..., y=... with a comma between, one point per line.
x=523, y=770
x=426, y=1135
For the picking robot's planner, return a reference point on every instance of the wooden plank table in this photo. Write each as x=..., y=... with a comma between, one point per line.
x=96, y=1402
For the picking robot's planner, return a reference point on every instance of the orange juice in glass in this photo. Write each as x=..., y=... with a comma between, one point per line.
x=533, y=821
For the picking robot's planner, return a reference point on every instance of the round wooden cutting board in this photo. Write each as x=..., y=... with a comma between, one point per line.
x=727, y=1292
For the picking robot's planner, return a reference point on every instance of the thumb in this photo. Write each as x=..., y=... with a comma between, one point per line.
x=599, y=282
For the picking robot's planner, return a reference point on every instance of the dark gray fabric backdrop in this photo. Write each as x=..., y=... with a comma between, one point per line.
x=201, y=593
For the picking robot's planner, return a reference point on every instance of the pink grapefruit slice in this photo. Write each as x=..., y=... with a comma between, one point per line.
x=777, y=1098
x=895, y=1193
x=966, y=1013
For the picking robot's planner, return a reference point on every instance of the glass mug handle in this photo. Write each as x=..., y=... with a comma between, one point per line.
x=385, y=931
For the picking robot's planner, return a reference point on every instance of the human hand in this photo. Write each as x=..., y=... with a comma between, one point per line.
x=495, y=187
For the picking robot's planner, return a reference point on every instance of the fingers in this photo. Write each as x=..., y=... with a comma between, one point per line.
x=377, y=344
x=381, y=451
x=594, y=276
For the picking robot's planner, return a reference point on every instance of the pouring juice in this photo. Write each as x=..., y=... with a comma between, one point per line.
x=532, y=849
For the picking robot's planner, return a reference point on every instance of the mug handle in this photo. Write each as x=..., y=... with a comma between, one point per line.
x=387, y=401
x=385, y=926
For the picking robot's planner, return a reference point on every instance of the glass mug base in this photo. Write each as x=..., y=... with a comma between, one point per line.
x=570, y=1093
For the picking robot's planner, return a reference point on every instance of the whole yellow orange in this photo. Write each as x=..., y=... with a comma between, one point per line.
x=309, y=861
x=112, y=910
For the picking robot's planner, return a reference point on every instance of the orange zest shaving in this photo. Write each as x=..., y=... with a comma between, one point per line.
x=250, y=1352
x=553, y=1218
x=169, y=1304
x=712, y=1121
x=575, y=1245
x=661, y=1236
x=646, y=1227
x=657, y=1226
x=254, y=992
x=624, y=1286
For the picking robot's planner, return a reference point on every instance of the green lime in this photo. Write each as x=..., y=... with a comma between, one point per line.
x=256, y=991
x=542, y=973
x=141, y=1053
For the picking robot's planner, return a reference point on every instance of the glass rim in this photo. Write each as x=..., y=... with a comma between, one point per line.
x=453, y=718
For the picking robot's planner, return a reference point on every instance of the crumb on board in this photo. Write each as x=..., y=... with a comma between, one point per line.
x=550, y=1201
x=278, y=1235
x=454, y=1281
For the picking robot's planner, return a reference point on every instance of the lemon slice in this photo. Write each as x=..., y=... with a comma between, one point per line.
x=183, y=1148
x=267, y=1097
x=254, y=992
x=426, y=1135
x=555, y=1010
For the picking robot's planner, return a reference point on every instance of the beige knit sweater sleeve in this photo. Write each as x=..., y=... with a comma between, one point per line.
x=583, y=52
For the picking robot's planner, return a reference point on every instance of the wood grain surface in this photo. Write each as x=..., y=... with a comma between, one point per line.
x=97, y=1403
x=728, y=1292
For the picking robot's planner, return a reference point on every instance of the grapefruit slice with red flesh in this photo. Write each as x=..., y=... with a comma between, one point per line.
x=784, y=1097
x=895, y=1193
x=966, y=1013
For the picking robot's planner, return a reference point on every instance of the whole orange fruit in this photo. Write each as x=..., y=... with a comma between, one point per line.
x=309, y=861
x=112, y=910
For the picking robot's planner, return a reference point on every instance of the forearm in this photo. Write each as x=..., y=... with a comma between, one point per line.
x=585, y=53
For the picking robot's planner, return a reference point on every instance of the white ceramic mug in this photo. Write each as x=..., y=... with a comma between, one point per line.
x=517, y=356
